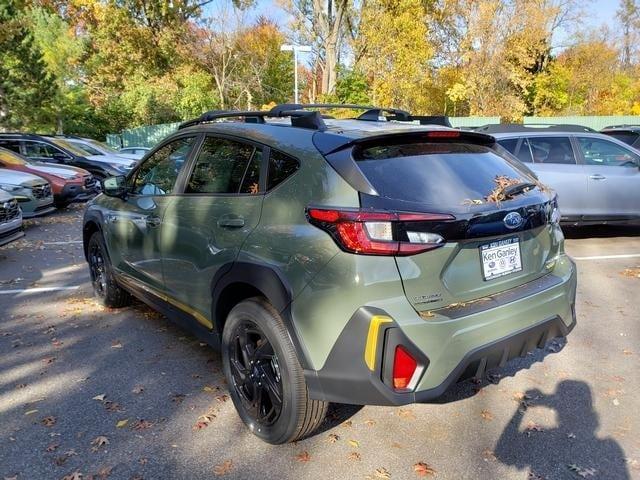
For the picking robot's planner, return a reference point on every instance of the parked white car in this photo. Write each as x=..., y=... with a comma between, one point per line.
x=10, y=219
x=96, y=148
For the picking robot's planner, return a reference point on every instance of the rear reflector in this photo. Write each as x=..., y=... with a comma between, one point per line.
x=404, y=366
x=372, y=233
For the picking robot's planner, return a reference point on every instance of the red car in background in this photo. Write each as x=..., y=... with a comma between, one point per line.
x=68, y=184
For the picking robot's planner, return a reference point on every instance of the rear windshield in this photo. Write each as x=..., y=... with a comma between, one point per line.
x=437, y=173
x=626, y=137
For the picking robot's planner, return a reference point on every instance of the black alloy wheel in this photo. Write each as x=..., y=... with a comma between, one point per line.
x=97, y=270
x=256, y=373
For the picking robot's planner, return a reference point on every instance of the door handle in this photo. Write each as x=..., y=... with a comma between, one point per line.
x=153, y=221
x=597, y=176
x=231, y=221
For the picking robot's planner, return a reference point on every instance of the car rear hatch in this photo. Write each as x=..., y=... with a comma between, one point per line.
x=484, y=223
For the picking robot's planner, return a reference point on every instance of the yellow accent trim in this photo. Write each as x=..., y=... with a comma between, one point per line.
x=176, y=303
x=371, y=347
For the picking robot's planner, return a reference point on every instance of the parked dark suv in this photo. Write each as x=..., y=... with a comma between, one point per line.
x=43, y=148
x=362, y=261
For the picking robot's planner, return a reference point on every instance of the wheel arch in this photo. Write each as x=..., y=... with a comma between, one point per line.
x=244, y=280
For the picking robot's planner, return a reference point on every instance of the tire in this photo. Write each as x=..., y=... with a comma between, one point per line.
x=105, y=287
x=257, y=325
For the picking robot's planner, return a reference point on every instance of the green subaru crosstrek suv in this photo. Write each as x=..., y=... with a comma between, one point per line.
x=373, y=260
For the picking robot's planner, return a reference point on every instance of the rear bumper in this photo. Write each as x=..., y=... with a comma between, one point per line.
x=450, y=347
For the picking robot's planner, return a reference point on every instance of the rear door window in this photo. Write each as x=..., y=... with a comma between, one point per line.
x=556, y=150
x=221, y=167
x=449, y=174
x=281, y=167
x=40, y=150
x=598, y=151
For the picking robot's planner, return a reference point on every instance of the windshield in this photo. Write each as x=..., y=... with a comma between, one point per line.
x=10, y=158
x=102, y=146
x=86, y=148
x=439, y=174
x=69, y=146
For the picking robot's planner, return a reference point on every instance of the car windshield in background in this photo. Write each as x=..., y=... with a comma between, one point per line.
x=69, y=146
x=448, y=174
x=624, y=136
x=89, y=150
x=102, y=146
x=10, y=158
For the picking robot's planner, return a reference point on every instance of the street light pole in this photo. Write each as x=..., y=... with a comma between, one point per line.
x=295, y=49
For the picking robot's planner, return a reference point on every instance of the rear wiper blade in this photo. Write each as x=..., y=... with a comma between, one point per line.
x=518, y=188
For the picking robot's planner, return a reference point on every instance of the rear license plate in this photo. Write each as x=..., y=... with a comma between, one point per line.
x=500, y=258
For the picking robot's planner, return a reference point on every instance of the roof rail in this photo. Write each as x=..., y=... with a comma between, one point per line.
x=307, y=115
x=624, y=125
x=532, y=127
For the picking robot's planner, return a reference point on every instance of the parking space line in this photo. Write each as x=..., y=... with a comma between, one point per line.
x=62, y=243
x=37, y=290
x=608, y=257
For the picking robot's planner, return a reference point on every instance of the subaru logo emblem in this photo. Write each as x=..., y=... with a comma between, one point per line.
x=512, y=220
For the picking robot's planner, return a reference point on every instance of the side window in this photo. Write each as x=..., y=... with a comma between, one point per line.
x=221, y=166
x=40, y=150
x=158, y=174
x=552, y=150
x=281, y=167
x=251, y=181
x=509, y=144
x=598, y=151
x=13, y=145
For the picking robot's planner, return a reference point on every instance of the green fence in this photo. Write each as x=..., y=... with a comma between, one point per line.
x=149, y=135
x=146, y=136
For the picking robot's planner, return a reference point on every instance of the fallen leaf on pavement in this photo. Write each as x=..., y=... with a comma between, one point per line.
x=103, y=473
x=142, y=425
x=48, y=421
x=354, y=443
x=100, y=397
x=382, y=473
x=31, y=412
x=138, y=389
x=489, y=454
x=582, y=472
x=224, y=468
x=303, y=456
x=487, y=415
x=354, y=456
x=369, y=423
x=333, y=438
x=122, y=423
x=631, y=272
x=116, y=344
x=48, y=360
x=73, y=476
x=53, y=447
x=422, y=469
x=99, y=442
x=406, y=413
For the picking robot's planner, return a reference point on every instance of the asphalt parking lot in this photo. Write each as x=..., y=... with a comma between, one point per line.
x=87, y=392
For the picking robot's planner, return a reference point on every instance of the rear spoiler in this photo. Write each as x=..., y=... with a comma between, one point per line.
x=328, y=143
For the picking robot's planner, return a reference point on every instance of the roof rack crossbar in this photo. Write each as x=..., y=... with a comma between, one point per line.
x=299, y=118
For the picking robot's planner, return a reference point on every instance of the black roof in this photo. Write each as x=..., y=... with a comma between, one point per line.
x=624, y=127
x=538, y=127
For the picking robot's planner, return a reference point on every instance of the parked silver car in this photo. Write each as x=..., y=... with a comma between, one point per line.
x=10, y=219
x=597, y=177
x=33, y=193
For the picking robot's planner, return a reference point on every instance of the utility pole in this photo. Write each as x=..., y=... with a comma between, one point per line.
x=295, y=49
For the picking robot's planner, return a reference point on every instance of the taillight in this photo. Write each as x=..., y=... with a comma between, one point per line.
x=404, y=366
x=375, y=233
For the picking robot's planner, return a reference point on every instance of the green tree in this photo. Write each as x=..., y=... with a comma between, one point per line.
x=25, y=85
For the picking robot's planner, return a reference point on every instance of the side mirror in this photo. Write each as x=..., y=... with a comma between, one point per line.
x=61, y=157
x=115, y=186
